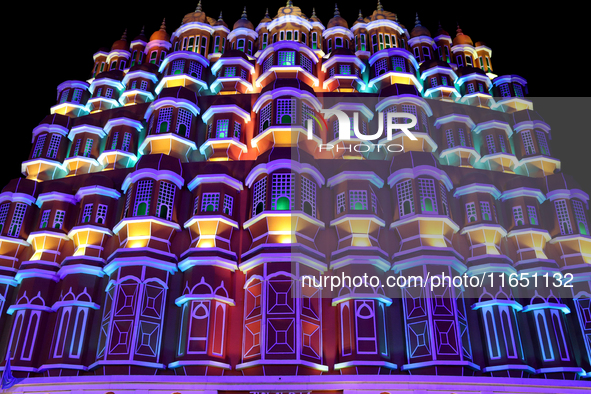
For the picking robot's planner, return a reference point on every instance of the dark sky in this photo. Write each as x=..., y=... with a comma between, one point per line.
x=54, y=42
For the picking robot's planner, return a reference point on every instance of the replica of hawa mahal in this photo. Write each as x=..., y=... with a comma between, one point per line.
x=171, y=204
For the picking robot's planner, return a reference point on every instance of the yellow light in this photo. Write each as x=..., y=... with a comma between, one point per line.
x=361, y=240
x=80, y=251
x=37, y=255
x=206, y=243
x=137, y=244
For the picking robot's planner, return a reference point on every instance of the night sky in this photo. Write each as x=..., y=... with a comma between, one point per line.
x=48, y=43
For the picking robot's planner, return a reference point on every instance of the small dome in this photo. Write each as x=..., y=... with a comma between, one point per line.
x=419, y=30
x=160, y=162
x=197, y=16
x=56, y=186
x=467, y=70
x=413, y=159
x=57, y=119
x=88, y=120
x=461, y=38
x=267, y=18
x=220, y=21
x=480, y=43
x=21, y=185
x=314, y=18
x=99, y=180
x=379, y=13
x=290, y=9
x=341, y=52
x=288, y=83
x=149, y=67
x=232, y=53
x=121, y=43
x=441, y=31
x=243, y=22
x=141, y=36
x=179, y=92
x=433, y=63
x=337, y=20
x=160, y=35
x=360, y=19
x=398, y=89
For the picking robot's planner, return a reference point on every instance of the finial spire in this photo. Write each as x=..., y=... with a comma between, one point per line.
x=163, y=25
x=417, y=21
x=244, y=13
x=458, y=30
x=336, y=10
x=313, y=12
x=198, y=9
x=289, y=3
x=124, y=36
x=380, y=6
x=360, y=16
x=143, y=27
x=220, y=17
x=267, y=13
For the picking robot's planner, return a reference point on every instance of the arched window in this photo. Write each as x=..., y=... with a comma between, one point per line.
x=163, y=212
x=141, y=209
x=308, y=208
x=283, y=204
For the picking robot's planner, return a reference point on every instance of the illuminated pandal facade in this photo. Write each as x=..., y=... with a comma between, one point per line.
x=172, y=203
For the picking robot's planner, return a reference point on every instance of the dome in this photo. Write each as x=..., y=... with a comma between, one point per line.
x=288, y=83
x=379, y=13
x=419, y=30
x=160, y=35
x=413, y=159
x=88, y=120
x=341, y=51
x=232, y=53
x=267, y=18
x=441, y=31
x=314, y=18
x=98, y=180
x=480, y=43
x=433, y=63
x=121, y=43
x=21, y=185
x=243, y=22
x=141, y=36
x=160, y=162
x=466, y=70
x=398, y=89
x=57, y=119
x=149, y=67
x=197, y=16
x=360, y=19
x=59, y=187
x=220, y=21
x=461, y=38
x=179, y=92
x=337, y=20
x=289, y=9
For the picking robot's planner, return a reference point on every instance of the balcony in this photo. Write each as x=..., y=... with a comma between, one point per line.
x=72, y=105
x=189, y=76
x=343, y=73
x=356, y=221
x=224, y=145
x=393, y=66
x=287, y=60
x=83, y=163
x=231, y=71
